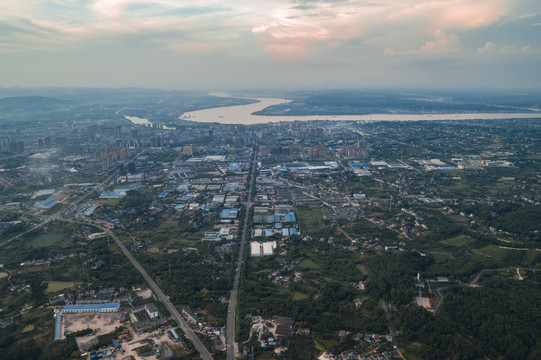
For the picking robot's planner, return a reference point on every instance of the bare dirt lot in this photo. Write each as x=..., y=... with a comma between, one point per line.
x=100, y=323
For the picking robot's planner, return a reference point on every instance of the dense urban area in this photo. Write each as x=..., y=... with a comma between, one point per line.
x=126, y=234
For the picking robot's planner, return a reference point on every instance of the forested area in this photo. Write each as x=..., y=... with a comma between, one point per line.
x=501, y=320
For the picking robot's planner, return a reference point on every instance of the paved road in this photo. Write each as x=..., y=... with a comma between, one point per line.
x=232, y=308
x=391, y=327
x=190, y=334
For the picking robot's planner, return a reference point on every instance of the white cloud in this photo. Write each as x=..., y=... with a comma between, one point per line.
x=283, y=27
x=443, y=44
x=489, y=48
x=508, y=50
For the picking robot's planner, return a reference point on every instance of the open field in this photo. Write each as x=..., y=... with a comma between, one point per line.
x=3, y=275
x=311, y=219
x=101, y=323
x=104, y=201
x=54, y=286
x=45, y=240
x=458, y=241
x=308, y=264
x=28, y=328
x=299, y=296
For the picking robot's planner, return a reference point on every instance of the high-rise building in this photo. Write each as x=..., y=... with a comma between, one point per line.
x=16, y=146
x=4, y=144
x=121, y=170
x=159, y=141
x=106, y=160
x=111, y=154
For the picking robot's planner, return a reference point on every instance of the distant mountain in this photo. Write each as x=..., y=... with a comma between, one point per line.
x=33, y=103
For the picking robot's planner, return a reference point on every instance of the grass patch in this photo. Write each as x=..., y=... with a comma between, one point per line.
x=494, y=252
x=440, y=257
x=3, y=275
x=413, y=351
x=299, y=296
x=54, y=286
x=311, y=219
x=28, y=328
x=308, y=264
x=104, y=201
x=459, y=241
x=45, y=240
x=330, y=342
x=153, y=250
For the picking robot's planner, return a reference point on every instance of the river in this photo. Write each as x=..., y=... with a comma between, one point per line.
x=242, y=114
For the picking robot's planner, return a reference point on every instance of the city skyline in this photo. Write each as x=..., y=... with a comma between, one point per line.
x=277, y=45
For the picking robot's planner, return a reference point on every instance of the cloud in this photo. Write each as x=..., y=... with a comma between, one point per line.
x=283, y=28
x=443, y=44
x=489, y=48
x=112, y=9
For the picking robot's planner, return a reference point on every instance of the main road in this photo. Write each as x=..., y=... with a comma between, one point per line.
x=232, y=308
x=188, y=331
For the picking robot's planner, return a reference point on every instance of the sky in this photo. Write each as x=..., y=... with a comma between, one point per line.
x=271, y=44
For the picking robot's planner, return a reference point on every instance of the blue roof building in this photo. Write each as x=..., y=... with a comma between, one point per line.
x=46, y=204
x=57, y=326
x=290, y=218
x=101, y=308
x=229, y=213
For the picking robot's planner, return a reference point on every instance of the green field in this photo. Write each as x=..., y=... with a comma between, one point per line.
x=299, y=296
x=3, y=275
x=308, y=264
x=311, y=219
x=104, y=201
x=54, y=286
x=458, y=241
x=492, y=251
x=45, y=240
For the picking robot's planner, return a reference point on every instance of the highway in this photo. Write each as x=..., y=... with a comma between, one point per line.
x=232, y=308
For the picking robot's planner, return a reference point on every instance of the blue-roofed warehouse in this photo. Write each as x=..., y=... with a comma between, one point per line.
x=290, y=217
x=101, y=308
x=57, y=326
x=46, y=204
x=229, y=213
x=173, y=335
